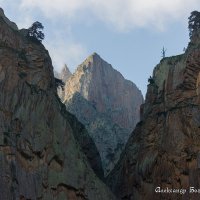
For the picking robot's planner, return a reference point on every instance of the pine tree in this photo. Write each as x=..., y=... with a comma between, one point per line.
x=35, y=33
x=163, y=52
x=194, y=23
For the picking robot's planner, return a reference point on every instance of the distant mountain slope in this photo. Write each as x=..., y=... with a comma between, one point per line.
x=106, y=103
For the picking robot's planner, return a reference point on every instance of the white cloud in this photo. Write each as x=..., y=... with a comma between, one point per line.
x=52, y=9
x=122, y=14
x=59, y=40
x=12, y=11
x=25, y=22
x=70, y=54
x=64, y=50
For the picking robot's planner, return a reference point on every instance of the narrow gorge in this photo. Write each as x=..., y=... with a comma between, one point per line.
x=90, y=135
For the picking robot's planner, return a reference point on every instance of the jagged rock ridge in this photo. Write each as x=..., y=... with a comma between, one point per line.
x=164, y=150
x=39, y=156
x=64, y=75
x=106, y=103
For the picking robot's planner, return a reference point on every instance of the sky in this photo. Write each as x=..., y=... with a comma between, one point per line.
x=128, y=34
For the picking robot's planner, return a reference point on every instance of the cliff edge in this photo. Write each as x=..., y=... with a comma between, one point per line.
x=39, y=156
x=164, y=150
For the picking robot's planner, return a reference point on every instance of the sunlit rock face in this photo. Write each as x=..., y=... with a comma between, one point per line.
x=164, y=150
x=106, y=103
x=39, y=155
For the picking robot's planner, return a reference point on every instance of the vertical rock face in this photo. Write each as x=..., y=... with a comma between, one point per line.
x=106, y=103
x=86, y=143
x=164, y=150
x=80, y=133
x=39, y=156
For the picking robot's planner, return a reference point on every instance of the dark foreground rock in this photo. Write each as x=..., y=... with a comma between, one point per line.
x=164, y=149
x=39, y=155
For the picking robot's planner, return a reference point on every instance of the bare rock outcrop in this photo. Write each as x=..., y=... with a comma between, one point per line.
x=164, y=150
x=63, y=75
x=105, y=87
x=106, y=103
x=39, y=155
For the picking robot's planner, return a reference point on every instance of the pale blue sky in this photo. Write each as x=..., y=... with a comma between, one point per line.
x=129, y=34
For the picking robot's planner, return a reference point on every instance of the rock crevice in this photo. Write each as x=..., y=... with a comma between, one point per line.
x=164, y=147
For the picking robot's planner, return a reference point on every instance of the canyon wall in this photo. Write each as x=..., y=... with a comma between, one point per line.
x=163, y=150
x=106, y=103
x=39, y=155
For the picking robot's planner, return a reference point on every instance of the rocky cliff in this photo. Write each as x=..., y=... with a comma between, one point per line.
x=39, y=156
x=86, y=143
x=107, y=89
x=64, y=74
x=164, y=149
x=80, y=133
x=106, y=103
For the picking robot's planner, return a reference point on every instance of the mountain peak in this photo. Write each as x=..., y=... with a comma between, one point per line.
x=107, y=105
x=65, y=70
x=65, y=73
x=93, y=57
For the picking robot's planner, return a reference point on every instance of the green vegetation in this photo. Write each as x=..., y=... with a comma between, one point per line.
x=163, y=52
x=59, y=83
x=194, y=23
x=35, y=32
x=150, y=80
x=22, y=74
